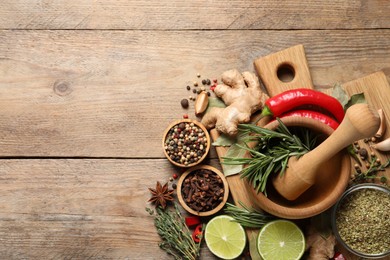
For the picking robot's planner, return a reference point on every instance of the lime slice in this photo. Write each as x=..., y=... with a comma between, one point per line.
x=282, y=240
x=224, y=237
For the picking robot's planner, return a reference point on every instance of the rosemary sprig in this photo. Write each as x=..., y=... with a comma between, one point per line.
x=176, y=237
x=247, y=217
x=272, y=152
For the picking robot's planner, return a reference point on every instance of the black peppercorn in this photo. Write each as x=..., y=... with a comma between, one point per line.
x=184, y=103
x=363, y=153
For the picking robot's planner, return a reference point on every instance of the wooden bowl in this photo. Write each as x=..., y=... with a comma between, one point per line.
x=206, y=149
x=330, y=183
x=188, y=174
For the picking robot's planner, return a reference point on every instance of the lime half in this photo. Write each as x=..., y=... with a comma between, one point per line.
x=282, y=240
x=224, y=237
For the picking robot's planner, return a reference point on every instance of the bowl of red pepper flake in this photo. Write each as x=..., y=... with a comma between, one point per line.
x=186, y=143
x=202, y=190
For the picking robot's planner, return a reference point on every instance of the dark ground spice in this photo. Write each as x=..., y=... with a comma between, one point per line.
x=363, y=221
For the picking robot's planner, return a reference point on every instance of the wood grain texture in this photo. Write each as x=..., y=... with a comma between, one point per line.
x=97, y=82
x=113, y=93
x=167, y=14
x=80, y=209
x=292, y=61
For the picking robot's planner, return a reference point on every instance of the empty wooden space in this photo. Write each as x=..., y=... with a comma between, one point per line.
x=88, y=87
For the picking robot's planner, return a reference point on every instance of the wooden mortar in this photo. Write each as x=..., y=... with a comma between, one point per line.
x=360, y=122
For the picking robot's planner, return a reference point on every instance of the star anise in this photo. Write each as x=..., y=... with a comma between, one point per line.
x=161, y=195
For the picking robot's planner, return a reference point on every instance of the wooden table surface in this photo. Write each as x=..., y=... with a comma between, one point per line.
x=88, y=87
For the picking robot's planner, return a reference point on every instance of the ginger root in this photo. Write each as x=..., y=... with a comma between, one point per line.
x=242, y=95
x=321, y=248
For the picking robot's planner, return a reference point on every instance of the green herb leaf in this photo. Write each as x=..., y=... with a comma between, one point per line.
x=355, y=99
x=224, y=140
x=215, y=102
x=271, y=154
x=176, y=238
x=339, y=93
x=247, y=217
x=235, y=151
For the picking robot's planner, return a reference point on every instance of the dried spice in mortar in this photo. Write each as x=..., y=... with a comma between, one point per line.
x=203, y=190
x=363, y=221
x=185, y=143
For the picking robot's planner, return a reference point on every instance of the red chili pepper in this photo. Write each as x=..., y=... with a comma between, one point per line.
x=175, y=176
x=192, y=221
x=314, y=115
x=339, y=256
x=290, y=99
x=197, y=234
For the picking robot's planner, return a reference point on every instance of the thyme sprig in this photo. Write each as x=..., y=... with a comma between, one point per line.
x=272, y=152
x=176, y=237
x=372, y=171
x=247, y=217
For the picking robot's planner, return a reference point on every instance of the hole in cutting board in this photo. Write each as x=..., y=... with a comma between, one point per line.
x=285, y=72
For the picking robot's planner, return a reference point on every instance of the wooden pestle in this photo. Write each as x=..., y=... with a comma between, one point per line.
x=360, y=122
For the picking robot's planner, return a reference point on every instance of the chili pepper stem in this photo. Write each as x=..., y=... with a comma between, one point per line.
x=266, y=112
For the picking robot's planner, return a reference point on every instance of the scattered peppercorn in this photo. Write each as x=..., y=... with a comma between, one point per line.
x=194, y=91
x=204, y=82
x=208, y=93
x=195, y=84
x=184, y=103
x=174, y=186
x=185, y=116
x=175, y=176
x=188, y=88
x=363, y=153
x=208, y=82
x=198, y=75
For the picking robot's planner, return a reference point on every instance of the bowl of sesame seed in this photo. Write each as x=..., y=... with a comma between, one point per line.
x=186, y=143
x=361, y=220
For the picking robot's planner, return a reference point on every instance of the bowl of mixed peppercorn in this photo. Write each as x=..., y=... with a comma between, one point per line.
x=361, y=220
x=202, y=190
x=186, y=143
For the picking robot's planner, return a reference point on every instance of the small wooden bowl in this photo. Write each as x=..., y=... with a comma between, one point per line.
x=202, y=213
x=329, y=186
x=198, y=124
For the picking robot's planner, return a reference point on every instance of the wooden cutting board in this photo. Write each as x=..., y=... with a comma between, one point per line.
x=293, y=61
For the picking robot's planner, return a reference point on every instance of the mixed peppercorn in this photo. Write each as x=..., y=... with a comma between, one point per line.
x=185, y=143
